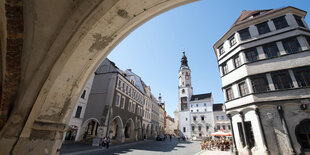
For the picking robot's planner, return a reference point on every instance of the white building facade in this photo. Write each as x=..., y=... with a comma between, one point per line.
x=264, y=64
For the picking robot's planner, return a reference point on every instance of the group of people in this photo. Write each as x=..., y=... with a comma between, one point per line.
x=218, y=144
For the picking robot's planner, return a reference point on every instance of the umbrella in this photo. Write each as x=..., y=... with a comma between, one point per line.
x=220, y=133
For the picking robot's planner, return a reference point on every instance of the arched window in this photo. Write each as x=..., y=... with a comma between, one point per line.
x=302, y=132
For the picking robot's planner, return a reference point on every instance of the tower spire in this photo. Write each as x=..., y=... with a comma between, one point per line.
x=184, y=60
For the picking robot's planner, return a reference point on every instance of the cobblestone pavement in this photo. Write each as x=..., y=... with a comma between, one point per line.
x=149, y=147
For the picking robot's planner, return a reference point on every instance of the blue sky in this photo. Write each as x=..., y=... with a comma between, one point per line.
x=154, y=50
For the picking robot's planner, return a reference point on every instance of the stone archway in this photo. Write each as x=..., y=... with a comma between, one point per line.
x=80, y=36
x=302, y=132
x=129, y=130
x=116, y=130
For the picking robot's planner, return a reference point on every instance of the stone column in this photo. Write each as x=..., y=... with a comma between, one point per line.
x=262, y=132
x=288, y=137
x=233, y=134
x=245, y=135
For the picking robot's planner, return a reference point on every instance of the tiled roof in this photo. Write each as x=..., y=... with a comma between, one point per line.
x=201, y=96
x=248, y=13
x=218, y=107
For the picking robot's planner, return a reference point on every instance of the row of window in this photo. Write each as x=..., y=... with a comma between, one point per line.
x=126, y=88
x=262, y=28
x=221, y=118
x=197, y=110
x=201, y=117
x=120, y=101
x=223, y=126
x=291, y=45
x=280, y=79
x=199, y=128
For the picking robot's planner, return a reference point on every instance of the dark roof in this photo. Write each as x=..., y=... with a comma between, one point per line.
x=201, y=96
x=218, y=107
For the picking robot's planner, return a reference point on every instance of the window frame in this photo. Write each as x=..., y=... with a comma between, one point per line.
x=251, y=54
x=271, y=50
x=238, y=62
x=259, y=88
x=78, y=112
x=302, y=80
x=244, y=34
x=288, y=44
x=279, y=81
x=299, y=21
x=225, y=68
x=229, y=94
x=280, y=22
x=117, y=96
x=232, y=40
x=221, y=49
x=243, y=91
x=263, y=28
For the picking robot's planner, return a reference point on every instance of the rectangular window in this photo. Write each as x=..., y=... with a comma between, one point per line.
x=259, y=83
x=243, y=89
x=271, y=50
x=251, y=54
x=78, y=112
x=129, y=105
x=194, y=118
x=241, y=134
x=123, y=103
x=262, y=28
x=280, y=22
x=229, y=94
x=184, y=129
x=281, y=80
x=232, y=41
x=302, y=76
x=221, y=49
x=249, y=133
x=197, y=110
x=244, y=34
x=299, y=21
x=224, y=69
x=237, y=61
x=83, y=94
x=202, y=118
x=117, y=99
x=193, y=128
x=133, y=107
x=228, y=127
x=291, y=45
x=217, y=117
x=222, y=117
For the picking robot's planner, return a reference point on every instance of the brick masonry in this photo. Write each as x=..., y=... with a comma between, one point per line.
x=12, y=58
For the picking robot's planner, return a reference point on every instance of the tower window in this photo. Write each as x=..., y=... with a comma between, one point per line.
x=83, y=94
x=202, y=118
x=243, y=89
x=183, y=91
x=281, y=80
x=259, y=83
x=221, y=49
x=184, y=129
x=78, y=112
x=302, y=76
x=194, y=118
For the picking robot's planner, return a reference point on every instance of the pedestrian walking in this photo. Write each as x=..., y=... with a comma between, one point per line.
x=104, y=142
x=108, y=142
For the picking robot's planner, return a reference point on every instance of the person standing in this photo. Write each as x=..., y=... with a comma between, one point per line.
x=104, y=141
x=108, y=142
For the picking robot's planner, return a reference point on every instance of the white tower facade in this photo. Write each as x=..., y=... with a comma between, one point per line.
x=185, y=93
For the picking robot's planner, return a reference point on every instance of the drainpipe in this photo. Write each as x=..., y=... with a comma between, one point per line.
x=286, y=131
x=232, y=131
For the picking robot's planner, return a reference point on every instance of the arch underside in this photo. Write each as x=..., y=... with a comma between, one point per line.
x=57, y=63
